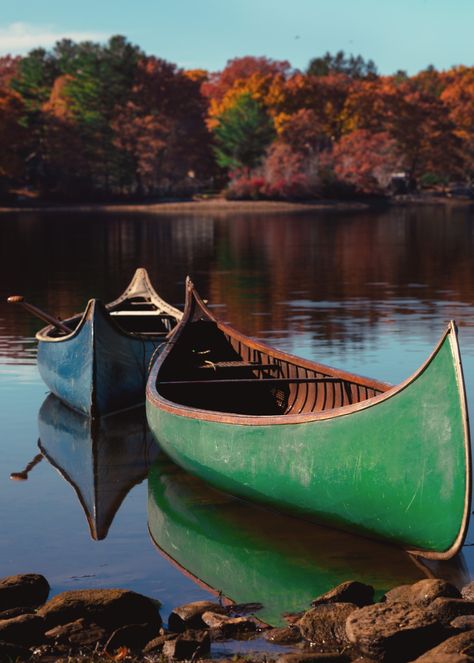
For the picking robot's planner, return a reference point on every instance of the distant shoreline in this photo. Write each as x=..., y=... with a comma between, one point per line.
x=241, y=206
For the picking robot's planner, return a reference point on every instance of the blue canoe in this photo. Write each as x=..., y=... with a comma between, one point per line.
x=101, y=367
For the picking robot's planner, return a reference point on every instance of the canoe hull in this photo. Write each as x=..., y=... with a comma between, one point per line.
x=395, y=467
x=99, y=369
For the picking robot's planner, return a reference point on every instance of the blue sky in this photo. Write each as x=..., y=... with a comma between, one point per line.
x=407, y=34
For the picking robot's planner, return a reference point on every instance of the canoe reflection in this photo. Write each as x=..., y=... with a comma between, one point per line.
x=249, y=554
x=101, y=459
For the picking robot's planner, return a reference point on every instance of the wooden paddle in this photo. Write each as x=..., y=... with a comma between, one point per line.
x=18, y=299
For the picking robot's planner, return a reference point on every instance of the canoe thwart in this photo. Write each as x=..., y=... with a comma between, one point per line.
x=239, y=364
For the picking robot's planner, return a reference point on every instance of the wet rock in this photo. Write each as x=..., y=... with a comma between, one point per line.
x=467, y=592
x=283, y=636
x=463, y=623
x=132, y=636
x=350, y=591
x=393, y=631
x=155, y=646
x=189, y=615
x=77, y=634
x=422, y=593
x=23, y=590
x=292, y=617
x=449, y=658
x=446, y=610
x=109, y=608
x=190, y=644
x=11, y=652
x=229, y=626
x=325, y=625
x=462, y=644
x=16, y=612
x=23, y=630
x=317, y=657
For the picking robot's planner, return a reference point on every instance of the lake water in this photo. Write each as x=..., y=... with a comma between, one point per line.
x=370, y=292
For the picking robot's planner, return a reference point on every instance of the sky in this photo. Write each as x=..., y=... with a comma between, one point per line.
x=407, y=34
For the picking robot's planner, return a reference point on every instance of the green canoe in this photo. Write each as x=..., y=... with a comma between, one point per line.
x=247, y=553
x=355, y=453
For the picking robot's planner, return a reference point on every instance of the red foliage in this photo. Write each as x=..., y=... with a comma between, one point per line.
x=240, y=69
x=366, y=160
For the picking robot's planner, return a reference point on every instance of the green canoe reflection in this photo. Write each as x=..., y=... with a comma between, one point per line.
x=249, y=554
x=101, y=459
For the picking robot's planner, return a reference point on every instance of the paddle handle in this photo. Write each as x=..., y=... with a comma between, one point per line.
x=18, y=299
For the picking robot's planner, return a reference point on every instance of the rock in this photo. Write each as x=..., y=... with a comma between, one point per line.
x=23, y=630
x=292, y=617
x=132, y=636
x=78, y=633
x=316, y=657
x=446, y=610
x=23, y=590
x=229, y=626
x=109, y=608
x=449, y=658
x=325, y=625
x=283, y=636
x=393, y=631
x=467, y=592
x=190, y=644
x=155, y=646
x=16, y=612
x=463, y=623
x=11, y=652
x=350, y=591
x=462, y=644
x=422, y=593
x=189, y=615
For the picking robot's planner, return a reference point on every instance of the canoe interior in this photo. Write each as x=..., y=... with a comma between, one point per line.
x=135, y=315
x=209, y=368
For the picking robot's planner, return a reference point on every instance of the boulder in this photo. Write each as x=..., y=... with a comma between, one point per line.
x=78, y=633
x=462, y=644
x=463, y=623
x=229, y=626
x=283, y=636
x=325, y=625
x=190, y=644
x=446, y=610
x=350, y=591
x=23, y=590
x=109, y=608
x=22, y=630
x=467, y=592
x=189, y=615
x=317, y=657
x=16, y=612
x=422, y=593
x=393, y=631
x=132, y=636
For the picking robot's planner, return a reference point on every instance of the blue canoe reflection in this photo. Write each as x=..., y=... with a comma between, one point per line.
x=249, y=554
x=101, y=459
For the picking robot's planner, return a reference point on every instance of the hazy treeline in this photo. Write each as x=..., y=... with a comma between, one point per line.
x=93, y=121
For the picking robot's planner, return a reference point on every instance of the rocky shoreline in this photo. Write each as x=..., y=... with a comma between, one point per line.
x=430, y=621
